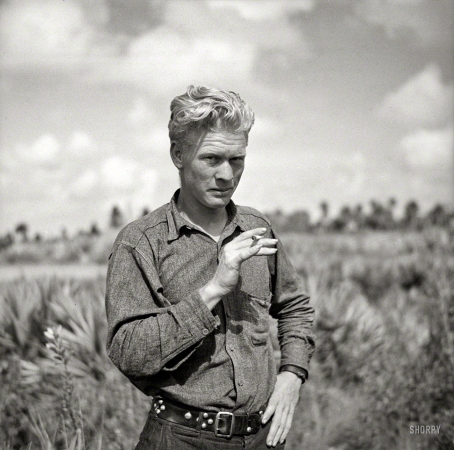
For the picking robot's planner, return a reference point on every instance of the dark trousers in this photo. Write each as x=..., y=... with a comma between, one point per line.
x=160, y=434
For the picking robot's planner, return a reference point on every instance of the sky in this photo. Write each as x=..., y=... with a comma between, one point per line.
x=353, y=101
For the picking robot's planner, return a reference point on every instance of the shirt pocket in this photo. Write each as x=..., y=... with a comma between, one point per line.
x=258, y=318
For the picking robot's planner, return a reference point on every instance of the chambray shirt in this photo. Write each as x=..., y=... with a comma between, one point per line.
x=163, y=337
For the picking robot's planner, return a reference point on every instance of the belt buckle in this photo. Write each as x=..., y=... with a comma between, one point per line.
x=216, y=424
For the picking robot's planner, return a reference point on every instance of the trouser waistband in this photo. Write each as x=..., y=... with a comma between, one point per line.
x=222, y=423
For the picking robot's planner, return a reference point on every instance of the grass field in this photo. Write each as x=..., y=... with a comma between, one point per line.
x=384, y=360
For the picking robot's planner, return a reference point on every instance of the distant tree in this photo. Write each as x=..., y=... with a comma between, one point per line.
x=278, y=219
x=38, y=237
x=324, y=221
x=116, y=217
x=374, y=219
x=94, y=230
x=358, y=216
x=325, y=210
x=6, y=241
x=345, y=213
x=298, y=222
x=411, y=214
x=64, y=234
x=22, y=229
x=343, y=219
x=380, y=217
x=145, y=211
x=438, y=216
x=392, y=202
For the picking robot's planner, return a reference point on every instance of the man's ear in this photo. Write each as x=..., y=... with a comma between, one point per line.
x=177, y=155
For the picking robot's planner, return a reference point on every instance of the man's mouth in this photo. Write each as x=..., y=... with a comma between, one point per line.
x=223, y=190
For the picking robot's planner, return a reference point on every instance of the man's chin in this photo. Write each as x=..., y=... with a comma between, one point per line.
x=218, y=201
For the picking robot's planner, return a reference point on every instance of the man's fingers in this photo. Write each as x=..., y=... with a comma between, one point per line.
x=281, y=429
x=269, y=411
x=248, y=252
x=264, y=242
x=264, y=251
x=249, y=233
x=256, y=250
x=287, y=426
x=276, y=427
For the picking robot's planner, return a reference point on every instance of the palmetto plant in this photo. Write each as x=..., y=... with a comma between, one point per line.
x=58, y=389
x=384, y=357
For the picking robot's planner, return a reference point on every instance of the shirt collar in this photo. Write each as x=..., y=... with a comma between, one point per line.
x=176, y=222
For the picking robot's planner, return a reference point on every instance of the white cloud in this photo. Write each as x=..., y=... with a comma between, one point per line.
x=430, y=22
x=149, y=130
x=166, y=60
x=216, y=46
x=264, y=127
x=85, y=183
x=147, y=185
x=43, y=151
x=264, y=9
x=119, y=173
x=422, y=101
x=302, y=177
x=156, y=140
x=141, y=192
x=141, y=113
x=48, y=32
x=81, y=143
x=427, y=149
x=117, y=181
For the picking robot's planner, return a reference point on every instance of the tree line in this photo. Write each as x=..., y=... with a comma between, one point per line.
x=349, y=219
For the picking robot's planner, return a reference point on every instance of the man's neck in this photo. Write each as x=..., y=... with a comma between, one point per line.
x=211, y=221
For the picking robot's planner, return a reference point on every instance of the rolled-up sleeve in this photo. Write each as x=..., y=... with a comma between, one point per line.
x=290, y=306
x=146, y=333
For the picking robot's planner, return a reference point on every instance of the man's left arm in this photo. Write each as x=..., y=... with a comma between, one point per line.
x=296, y=340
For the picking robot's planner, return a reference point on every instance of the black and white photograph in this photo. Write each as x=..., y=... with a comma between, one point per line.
x=226, y=224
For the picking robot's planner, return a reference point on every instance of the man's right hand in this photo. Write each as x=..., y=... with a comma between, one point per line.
x=232, y=256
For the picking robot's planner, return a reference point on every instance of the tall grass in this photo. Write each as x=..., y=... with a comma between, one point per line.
x=58, y=388
x=385, y=328
x=384, y=359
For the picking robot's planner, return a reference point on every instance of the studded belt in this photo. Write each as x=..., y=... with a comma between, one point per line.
x=223, y=423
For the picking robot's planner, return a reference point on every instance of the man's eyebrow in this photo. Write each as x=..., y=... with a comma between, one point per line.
x=220, y=152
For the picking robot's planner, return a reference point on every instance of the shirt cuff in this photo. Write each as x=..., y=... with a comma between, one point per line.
x=196, y=317
x=294, y=369
x=296, y=354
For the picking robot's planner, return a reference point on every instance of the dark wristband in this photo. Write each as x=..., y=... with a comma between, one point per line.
x=298, y=371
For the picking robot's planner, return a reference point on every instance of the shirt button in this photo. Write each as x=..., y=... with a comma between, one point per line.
x=232, y=348
x=240, y=383
x=205, y=331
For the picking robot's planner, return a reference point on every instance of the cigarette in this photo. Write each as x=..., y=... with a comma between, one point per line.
x=256, y=237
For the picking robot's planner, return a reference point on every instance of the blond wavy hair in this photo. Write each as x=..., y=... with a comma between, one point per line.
x=204, y=108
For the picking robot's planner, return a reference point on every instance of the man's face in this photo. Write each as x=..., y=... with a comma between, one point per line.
x=211, y=168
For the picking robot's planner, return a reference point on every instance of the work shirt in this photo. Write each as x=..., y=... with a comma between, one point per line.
x=164, y=338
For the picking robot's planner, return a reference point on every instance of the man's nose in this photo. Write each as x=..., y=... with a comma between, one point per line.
x=224, y=172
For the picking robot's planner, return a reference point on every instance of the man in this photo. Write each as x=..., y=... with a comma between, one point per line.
x=190, y=288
